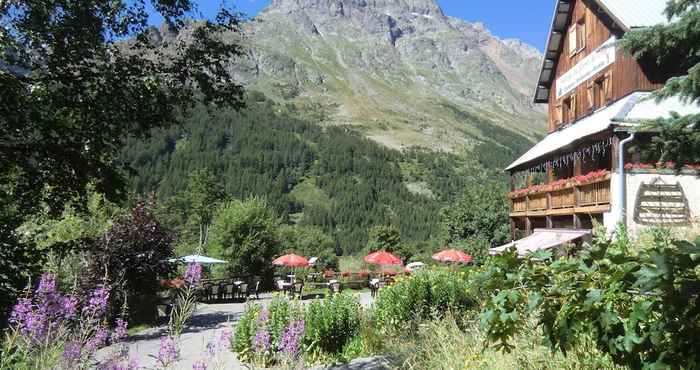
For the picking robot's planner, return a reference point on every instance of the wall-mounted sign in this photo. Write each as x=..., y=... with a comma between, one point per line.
x=661, y=204
x=595, y=62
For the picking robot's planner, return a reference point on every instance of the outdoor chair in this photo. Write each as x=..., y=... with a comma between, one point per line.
x=230, y=291
x=254, y=289
x=297, y=289
x=222, y=291
x=242, y=291
x=335, y=287
x=213, y=292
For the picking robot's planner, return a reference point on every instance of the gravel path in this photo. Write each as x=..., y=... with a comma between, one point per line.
x=207, y=322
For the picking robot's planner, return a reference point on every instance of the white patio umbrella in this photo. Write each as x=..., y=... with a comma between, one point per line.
x=196, y=258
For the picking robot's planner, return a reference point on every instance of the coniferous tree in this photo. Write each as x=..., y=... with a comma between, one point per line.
x=673, y=47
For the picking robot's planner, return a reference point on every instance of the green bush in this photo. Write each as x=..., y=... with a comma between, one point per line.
x=427, y=294
x=245, y=330
x=331, y=323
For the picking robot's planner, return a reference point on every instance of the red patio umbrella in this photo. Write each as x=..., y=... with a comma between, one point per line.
x=382, y=258
x=452, y=255
x=291, y=260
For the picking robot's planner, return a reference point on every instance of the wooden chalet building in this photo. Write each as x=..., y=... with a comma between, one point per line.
x=591, y=167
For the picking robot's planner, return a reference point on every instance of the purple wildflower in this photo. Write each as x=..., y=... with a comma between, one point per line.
x=72, y=351
x=263, y=316
x=97, y=304
x=117, y=364
x=36, y=325
x=20, y=311
x=225, y=337
x=261, y=342
x=120, y=331
x=69, y=306
x=98, y=339
x=168, y=352
x=193, y=273
x=211, y=349
x=47, y=285
x=199, y=365
x=291, y=339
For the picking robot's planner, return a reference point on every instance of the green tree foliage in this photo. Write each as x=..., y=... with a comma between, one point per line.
x=191, y=210
x=638, y=303
x=131, y=258
x=479, y=217
x=383, y=237
x=309, y=241
x=673, y=48
x=244, y=234
x=351, y=184
x=76, y=78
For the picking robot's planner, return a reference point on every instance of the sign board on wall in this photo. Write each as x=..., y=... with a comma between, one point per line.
x=595, y=62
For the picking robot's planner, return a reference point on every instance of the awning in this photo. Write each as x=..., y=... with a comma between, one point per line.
x=593, y=124
x=628, y=111
x=541, y=239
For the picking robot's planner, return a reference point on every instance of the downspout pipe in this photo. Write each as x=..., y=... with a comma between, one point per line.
x=621, y=192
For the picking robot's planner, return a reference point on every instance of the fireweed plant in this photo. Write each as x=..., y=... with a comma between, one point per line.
x=185, y=304
x=49, y=329
x=186, y=300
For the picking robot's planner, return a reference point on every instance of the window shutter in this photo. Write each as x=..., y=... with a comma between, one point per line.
x=572, y=40
x=582, y=35
x=607, y=86
x=559, y=114
x=590, y=93
x=574, y=108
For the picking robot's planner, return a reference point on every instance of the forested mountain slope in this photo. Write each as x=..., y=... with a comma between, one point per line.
x=360, y=113
x=331, y=177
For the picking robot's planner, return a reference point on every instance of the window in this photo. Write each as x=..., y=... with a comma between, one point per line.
x=577, y=37
x=600, y=91
x=569, y=111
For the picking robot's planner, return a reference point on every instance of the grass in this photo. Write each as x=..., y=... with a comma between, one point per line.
x=443, y=345
x=138, y=328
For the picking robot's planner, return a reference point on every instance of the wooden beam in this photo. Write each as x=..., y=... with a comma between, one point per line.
x=614, y=154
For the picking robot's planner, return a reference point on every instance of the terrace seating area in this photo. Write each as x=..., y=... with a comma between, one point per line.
x=232, y=289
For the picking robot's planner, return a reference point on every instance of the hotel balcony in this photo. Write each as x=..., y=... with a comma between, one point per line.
x=570, y=198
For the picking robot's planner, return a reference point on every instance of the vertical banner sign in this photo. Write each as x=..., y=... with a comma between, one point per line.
x=600, y=58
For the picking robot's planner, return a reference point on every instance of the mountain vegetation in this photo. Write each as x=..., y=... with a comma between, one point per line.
x=330, y=178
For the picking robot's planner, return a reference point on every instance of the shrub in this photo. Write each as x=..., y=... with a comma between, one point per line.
x=245, y=330
x=264, y=332
x=427, y=293
x=331, y=323
x=132, y=255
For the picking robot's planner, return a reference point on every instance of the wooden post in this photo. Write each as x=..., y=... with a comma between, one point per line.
x=614, y=154
x=528, y=226
x=512, y=229
x=578, y=171
x=550, y=223
x=550, y=173
x=577, y=221
x=511, y=181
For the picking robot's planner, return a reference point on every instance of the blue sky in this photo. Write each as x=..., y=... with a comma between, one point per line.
x=527, y=20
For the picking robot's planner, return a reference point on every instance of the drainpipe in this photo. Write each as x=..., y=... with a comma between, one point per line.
x=621, y=194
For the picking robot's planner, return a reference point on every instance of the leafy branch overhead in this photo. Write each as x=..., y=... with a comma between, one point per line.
x=78, y=77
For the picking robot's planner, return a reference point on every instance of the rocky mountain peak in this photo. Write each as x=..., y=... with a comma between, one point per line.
x=350, y=8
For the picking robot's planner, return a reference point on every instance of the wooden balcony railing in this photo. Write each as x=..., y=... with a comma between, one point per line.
x=579, y=198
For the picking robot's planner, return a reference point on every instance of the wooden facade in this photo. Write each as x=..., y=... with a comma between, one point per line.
x=579, y=205
x=625, y=76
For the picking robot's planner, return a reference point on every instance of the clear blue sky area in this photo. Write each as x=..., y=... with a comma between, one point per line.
x=527, y=20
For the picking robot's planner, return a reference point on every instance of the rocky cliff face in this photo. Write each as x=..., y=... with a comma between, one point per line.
x=400, y=70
